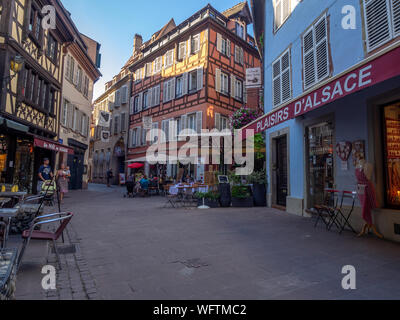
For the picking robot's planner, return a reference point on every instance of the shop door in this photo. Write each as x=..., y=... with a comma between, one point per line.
x=75, y=162
x=281, y=171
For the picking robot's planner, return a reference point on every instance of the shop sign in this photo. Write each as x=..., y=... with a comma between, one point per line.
x=253, y=78
x=375, y=71
x=52, y=146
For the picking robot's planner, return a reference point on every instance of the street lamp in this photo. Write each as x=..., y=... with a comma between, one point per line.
x=16, y=65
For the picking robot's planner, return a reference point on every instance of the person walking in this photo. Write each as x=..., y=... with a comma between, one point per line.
x=45, y=174
x=62, y=181
x=109, y=177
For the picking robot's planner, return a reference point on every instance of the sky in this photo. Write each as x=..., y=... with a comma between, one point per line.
x=114, y=23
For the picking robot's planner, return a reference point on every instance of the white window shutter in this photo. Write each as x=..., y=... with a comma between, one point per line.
x=125, y=97
x=183, y=126
x=276, y=82
x=218, y=80
x=219, y=42
x=228, y=48
x=165, y=91
x=378, y=30
x=309, y=59
x=241, y=57
x=173, y=84
x=285, y=77
x=185, y=85
x=396, y=17
x=199, y=121
x=158, y=94
x=321, y=49
x=200, y=73
x=140, y=103
x=233, y=86
x=218, y=121
x=132, y=105
x=68, y=67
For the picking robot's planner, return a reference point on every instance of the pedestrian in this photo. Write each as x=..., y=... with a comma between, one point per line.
x=45, y=174
x=62, y=181
x=110, y=175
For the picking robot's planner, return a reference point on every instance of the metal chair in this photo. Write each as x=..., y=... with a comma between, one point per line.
x=327, y=210
x=63, y=217
x=341, y=217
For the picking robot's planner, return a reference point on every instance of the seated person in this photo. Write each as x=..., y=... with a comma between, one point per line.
x=144, y=183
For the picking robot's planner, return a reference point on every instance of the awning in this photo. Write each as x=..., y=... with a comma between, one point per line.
x=375, y=69
x=51, y=145
x=14, y=125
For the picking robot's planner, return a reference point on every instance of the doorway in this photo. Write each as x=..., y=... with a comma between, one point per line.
x=281, y=171
x=76, y=165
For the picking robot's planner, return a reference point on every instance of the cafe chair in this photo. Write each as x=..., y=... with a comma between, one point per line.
x=342, y=215
x=63, y=218
x=327, y=210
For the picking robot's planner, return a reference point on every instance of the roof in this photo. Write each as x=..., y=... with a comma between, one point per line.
x=241, y=7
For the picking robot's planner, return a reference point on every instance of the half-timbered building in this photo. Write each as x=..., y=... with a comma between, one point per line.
x=192, y=77
x=30, y=97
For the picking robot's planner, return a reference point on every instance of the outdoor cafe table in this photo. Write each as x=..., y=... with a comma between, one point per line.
x=8, y=214
x=15, y=196
x=181, y=188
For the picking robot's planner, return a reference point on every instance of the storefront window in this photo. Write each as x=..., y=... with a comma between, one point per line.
x=3, y=157
x=23, y=173
x=392, y=154
x=320, y=164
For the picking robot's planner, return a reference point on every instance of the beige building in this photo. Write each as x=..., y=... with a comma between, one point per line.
x=81, y=63
x=109, y=144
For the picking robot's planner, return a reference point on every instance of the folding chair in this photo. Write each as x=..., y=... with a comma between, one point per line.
x=341, y=217
x=63, y=217
x=3, y=235
x=327, y=210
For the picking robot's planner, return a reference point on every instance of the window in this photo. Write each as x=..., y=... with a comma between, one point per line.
x=86, y=87
x=281, y=79
x=224, y=123
x=84, y=125
x=239, y=55
x=169, y=90
x=133, y=137
x=169, y=58
x=38, y=91
x=136, y=103
x=240, y=30
x=149, y=69
x=51, y=48
x=139, y=75
x=191, y=121
x=222, y=82
x=79, y=79
x=44, y=96
x=223, y=45
x=155, y=96
x=195, y=80
x=146, y=99
x=282, y=12
x=31, y=91
x=157, y=64
x=195, y=44
x=392, y=154
x=382, y=21
x=182, y=51
x=64, y=113
x=72, y=70
x=116, y=124
x=179, y=87
x=35, y=26
x=237, y=88
x=315, y=53
x=123, y=122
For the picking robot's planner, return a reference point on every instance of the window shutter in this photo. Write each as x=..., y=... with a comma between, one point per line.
x=200, y=78
x=237, y=59
x=165, y=91
x=396, y=17
x=233, y=86
x=72, y=70
x=132, y=105
x=185, y=85
x=219, y=42
x=173, y=83
x=218, y=121
x=158, y=94
x=63, y=115
x=241, y=57
x=70, y=123
x=173, y=129
x=199, y=121
x=150, y=97
x=276, y=82
x=309, y=59
x=321, y=56
x=140, y=102
x=245, y=94
x=144, y=136
x=68, y=67
x=228, y=48
x=285, y=77
x=183, y=126
x=377, y=22
x=124, y=98
x=123, y=122
x=218, y=80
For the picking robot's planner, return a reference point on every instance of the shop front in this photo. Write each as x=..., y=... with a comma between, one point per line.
x=76, y=163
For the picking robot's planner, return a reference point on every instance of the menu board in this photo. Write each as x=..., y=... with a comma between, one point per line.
x=393, y=138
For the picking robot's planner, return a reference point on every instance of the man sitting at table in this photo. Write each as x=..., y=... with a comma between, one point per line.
x=144, y=185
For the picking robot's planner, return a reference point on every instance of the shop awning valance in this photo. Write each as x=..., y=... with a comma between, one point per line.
x=14, y=125
x=376, y=69
x=51, y=145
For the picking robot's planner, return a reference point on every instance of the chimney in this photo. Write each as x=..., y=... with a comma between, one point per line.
x=137, y=43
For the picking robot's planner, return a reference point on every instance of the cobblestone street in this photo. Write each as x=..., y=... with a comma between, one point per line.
x=135, y=249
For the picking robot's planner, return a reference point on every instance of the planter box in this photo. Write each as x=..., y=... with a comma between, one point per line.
x=242, y=203
x=224, y=190
x=260, y=195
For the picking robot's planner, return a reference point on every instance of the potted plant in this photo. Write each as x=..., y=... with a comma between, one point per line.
x=241, y=196
x=259, y=181
x=211, y=199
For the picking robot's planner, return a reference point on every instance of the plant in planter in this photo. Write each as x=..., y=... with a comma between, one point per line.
x=241, y=196
x=259, y=181
x=211, y=199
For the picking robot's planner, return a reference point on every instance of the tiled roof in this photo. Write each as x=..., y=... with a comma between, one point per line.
x=235, y=9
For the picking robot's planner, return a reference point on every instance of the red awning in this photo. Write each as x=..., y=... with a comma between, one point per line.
x=375, y=70
x=51, y=145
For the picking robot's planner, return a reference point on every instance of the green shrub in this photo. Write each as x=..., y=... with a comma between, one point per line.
x=240, y=192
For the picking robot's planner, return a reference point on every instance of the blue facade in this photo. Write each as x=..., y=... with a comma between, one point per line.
x=352, y=116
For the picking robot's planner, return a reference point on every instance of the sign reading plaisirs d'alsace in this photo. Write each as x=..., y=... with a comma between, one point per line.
x=380, y=69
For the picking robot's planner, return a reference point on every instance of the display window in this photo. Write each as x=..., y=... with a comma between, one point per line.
x=4, y=146
x=23, y=168
x=392, y=154
x=320, y=161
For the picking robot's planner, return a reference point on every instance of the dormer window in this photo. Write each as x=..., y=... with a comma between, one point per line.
x=240, y=30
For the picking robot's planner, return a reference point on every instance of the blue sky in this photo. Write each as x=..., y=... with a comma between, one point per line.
x=114, y=23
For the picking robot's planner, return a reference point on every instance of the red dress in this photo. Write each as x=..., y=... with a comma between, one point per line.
x=368, y=199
